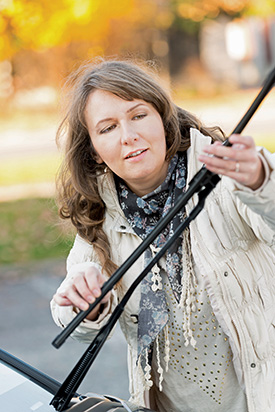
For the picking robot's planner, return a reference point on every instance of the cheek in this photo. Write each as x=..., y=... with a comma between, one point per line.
x=97, y=152
x=105, y=152
x=160, y=139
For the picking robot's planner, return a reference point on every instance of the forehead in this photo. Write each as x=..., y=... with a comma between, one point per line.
x=102, y=104
x=103, y=97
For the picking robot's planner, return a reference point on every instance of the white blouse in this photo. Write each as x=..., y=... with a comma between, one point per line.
x=200, y=378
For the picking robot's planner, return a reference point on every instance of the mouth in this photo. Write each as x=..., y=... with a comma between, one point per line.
x=135, y=154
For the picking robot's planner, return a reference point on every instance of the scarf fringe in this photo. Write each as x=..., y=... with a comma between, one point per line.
x=166, y=348
x=147, y=375
x=144, y=374
x=187, y=304
x=138, y=397
x=160, y=369
x=156, y=277
x=188, y=294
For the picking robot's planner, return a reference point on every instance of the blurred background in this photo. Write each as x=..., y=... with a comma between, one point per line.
x=212, y=54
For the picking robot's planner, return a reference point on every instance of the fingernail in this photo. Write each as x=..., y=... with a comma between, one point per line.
x=83, y=306
x=96, y=292
x=90, y=298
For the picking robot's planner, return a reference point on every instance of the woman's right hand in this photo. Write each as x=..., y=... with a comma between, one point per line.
x=81, y=289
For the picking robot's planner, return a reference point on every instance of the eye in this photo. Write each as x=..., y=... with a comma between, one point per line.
x=108, y=129
x=139, y=116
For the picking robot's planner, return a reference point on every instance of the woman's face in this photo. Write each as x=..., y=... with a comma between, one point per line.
x=129, y=137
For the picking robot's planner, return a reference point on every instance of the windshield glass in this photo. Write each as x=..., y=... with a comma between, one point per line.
x=17, y=393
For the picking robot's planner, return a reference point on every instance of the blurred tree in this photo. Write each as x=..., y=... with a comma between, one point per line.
x=41, y=25
x=189, y=16
x=197, y=10
x=44, y=39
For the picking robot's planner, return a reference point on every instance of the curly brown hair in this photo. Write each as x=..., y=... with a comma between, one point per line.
x=78, y=195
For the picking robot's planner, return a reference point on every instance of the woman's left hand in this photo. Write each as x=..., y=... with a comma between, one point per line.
x=240, y=161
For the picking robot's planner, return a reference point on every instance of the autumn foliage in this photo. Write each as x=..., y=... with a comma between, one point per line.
x=43, y=40
x=43, y=24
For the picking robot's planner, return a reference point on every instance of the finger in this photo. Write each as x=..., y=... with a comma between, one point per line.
x=247, y=173
x=68, y=296
x=77, y=300
x=96, y=283
x=245, y=143
x=238, y=146
x=61, y=300
x=236, y=153
x=83, y=289
x=238, y=142
x=222, y=152
x=218, y=165
x=101, y=280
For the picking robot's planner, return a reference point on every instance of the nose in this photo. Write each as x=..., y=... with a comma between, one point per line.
x=128, y=134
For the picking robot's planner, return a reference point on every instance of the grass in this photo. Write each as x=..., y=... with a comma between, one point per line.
x=30, y=231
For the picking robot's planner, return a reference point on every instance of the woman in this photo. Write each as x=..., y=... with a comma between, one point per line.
x=200, y=328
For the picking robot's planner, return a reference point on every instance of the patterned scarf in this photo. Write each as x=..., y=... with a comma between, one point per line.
x=143, y=213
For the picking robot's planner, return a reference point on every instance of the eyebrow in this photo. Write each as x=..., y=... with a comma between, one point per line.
x=134, y=107
x=111, y=118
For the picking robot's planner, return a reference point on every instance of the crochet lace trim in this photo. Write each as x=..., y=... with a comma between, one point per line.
x=187, y=304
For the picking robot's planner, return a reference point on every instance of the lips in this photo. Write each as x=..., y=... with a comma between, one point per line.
x=134, y=153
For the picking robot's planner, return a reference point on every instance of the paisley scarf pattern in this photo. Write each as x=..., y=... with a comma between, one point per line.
x=143, y=213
